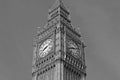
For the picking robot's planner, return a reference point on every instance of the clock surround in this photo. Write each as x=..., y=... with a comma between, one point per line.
x=73, y=47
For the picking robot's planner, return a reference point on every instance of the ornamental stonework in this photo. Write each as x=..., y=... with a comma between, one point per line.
x=58, y=50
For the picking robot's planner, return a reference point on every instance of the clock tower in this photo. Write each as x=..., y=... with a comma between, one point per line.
x=58, y=51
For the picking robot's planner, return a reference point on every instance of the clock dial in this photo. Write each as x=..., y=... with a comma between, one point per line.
x=45, y=47
x=73, y=48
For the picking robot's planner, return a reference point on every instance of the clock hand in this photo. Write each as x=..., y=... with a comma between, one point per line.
x=73, y=48
x=45, y=48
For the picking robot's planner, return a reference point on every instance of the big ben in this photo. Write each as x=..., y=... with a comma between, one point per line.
x=58, y=50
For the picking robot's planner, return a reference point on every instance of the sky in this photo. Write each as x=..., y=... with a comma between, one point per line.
x=99, y=23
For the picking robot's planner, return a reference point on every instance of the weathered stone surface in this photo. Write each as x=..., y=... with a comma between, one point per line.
x=60, y=63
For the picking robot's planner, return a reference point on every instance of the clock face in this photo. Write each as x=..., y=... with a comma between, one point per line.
x=45, y=47
x=73, y=48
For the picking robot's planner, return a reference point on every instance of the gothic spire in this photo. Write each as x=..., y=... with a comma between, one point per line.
x=58, y=12
x=58, y=3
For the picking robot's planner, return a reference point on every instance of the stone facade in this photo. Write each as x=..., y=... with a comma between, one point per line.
x=60, y=63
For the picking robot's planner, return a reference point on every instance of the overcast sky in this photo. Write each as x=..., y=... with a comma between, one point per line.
x=99, y=22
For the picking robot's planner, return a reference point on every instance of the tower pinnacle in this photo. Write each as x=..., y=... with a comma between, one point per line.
x=58, y=10
x=58, y=3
